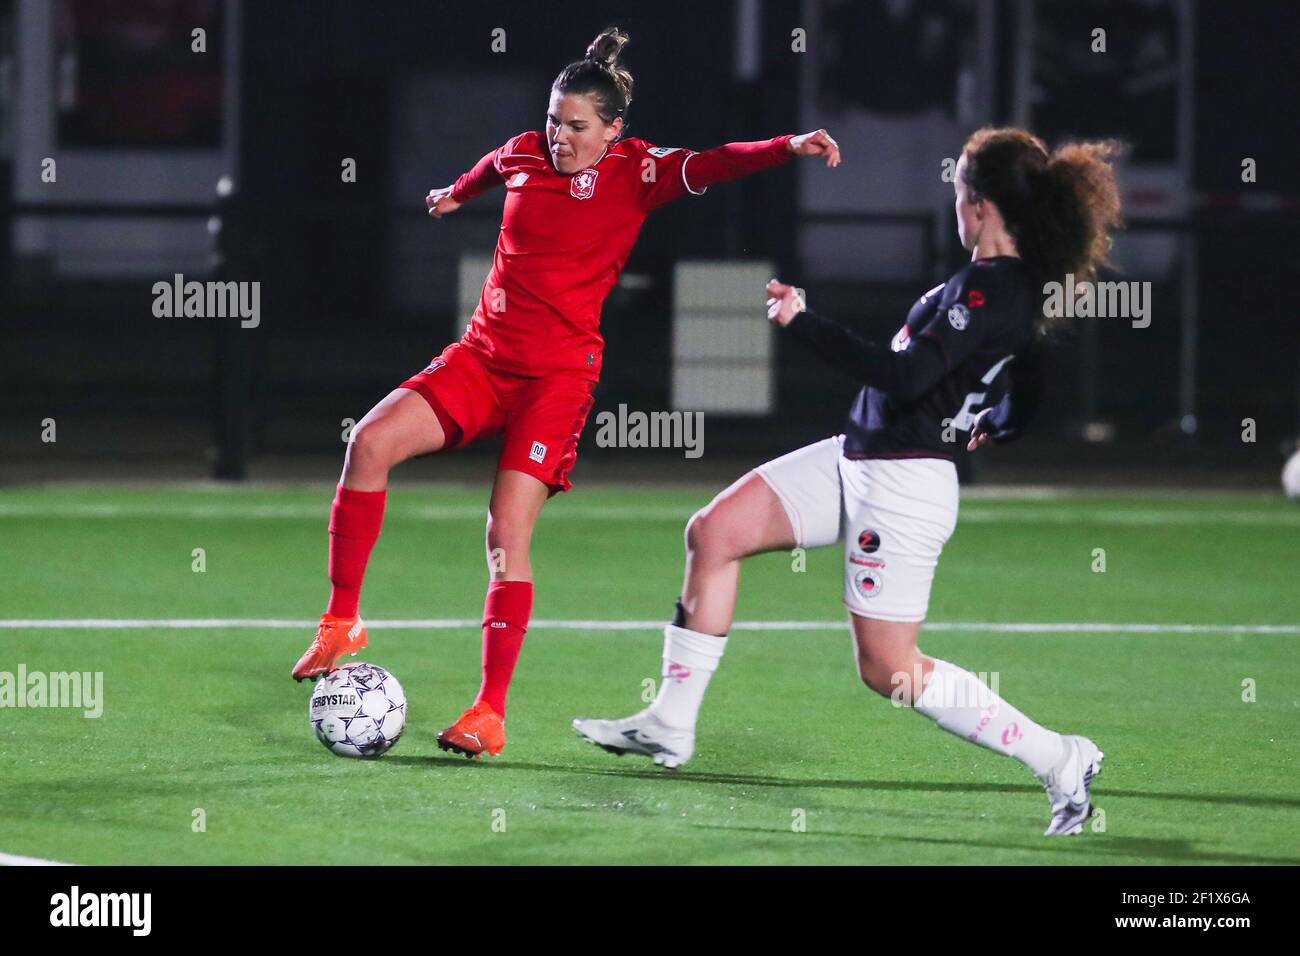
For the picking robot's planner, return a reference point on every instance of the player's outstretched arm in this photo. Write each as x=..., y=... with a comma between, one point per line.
x=737, y=160
x=482, y=177
x=681, y=172
x=905, y=375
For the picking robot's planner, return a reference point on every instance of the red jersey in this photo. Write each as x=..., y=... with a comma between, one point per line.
x=564, y=239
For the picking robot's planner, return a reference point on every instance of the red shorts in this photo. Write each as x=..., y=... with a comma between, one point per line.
x=540, y=417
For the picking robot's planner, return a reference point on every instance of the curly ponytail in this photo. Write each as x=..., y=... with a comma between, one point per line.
x=601, y=76
x=1059, y=207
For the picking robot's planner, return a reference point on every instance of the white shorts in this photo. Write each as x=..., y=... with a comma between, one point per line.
x=893, y=515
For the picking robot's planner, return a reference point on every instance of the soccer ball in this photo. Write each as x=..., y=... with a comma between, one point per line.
x=1291, y=476
x=358, y=710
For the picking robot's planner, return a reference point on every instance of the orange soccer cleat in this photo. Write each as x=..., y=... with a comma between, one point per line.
x=335, y=637
x=478, y=729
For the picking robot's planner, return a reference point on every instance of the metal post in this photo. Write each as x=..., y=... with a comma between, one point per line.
x=230, y=422
x=34, y=130
x=1088, y=363
x=230, y=236
x=986, y=63
x=1188, y=346
x=1026, y=28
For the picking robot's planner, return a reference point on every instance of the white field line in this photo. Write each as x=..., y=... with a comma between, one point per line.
x=1008, y=491
x=1132, y=517
x=442, y=624
x=8, y=859
x=975, y=514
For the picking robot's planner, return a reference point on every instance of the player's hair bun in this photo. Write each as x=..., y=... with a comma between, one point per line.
x=606, y=47
x=601, y=76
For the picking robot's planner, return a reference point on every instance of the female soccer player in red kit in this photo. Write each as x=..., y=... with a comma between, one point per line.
x=576, y=197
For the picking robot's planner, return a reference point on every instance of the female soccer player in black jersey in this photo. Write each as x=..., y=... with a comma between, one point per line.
x=887, y=487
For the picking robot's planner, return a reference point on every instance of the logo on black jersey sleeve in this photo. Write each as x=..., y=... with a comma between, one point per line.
x=959, y=314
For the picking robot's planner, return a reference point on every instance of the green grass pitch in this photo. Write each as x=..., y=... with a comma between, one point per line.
x=208, y=719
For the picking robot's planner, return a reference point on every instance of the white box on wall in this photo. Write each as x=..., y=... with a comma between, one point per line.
x=722, y=342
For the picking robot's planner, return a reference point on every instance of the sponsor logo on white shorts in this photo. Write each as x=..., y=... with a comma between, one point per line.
x=869, y=582
x=538, y=454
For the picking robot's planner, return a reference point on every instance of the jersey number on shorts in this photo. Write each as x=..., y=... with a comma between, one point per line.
x=965, y=419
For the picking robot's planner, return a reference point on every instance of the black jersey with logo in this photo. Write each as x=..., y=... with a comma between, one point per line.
x=965, y=344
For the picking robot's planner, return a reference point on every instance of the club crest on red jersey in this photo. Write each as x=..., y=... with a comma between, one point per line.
x=583, y=184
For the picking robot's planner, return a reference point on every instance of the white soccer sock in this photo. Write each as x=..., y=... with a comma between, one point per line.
x=690, y=658
x=963, y=705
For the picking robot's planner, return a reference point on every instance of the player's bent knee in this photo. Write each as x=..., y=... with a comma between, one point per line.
x=508, y=533
x=706, y=534
x=372, y=447
x=743, y=520
x=695, y=532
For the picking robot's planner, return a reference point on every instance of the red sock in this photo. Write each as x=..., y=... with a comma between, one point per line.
x=505, y=620
x=355, y=520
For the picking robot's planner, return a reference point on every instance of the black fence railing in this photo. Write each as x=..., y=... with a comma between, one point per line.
x=1229, y=284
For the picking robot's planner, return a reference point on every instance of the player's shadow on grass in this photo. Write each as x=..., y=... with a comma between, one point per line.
x=1102, y=846
x=763, y=780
